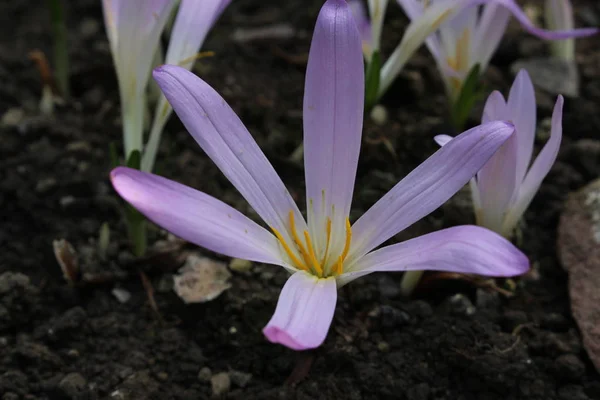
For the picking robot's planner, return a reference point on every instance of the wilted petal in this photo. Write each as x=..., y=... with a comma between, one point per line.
x=521, y=109
x=333, y=114
x=195, y=216
x=538, y=171
x=225, y=139
x=466, y=249
x=304, y=312
x=428, y=186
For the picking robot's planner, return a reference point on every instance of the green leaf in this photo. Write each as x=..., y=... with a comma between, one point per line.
x=471, y=91
x=135, y=159
x=373, y=75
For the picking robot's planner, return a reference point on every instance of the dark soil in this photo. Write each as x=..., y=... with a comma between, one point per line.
x=452, y=342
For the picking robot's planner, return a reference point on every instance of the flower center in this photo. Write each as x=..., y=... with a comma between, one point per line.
x=303, y=253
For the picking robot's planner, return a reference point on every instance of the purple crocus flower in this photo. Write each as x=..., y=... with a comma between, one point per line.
x=325, y=251
x=505, y=186
x=472, y=36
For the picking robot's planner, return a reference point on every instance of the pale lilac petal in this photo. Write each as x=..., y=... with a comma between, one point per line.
x=377, y=10
x=413, y=10
x=428, y=186
x=489, y=32
x=196, y=216
x=538, y=171
x=497, y=185
x=495, y=108
x=521, y=108
x=363, y=24
x=465, y=249
x=134, y=33
x=228, y=143
x=333, y=113
x=193, y=21
x=304, y=312
x=520, y=16
x=417, y=32
x=442, y=139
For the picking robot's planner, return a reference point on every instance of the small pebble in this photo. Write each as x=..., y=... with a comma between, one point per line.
x=204, y=374
x=220, y=383
x=240, y=379
x=72, y=385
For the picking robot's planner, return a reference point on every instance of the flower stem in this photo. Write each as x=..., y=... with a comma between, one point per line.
x=410, y=280
x=61, y=55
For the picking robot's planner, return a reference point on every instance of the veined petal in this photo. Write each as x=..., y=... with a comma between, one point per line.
x=497, y=185
x=333, y=115
x=193, y=21
x=304, y=312
x=538, y=171
x=428, y=186
x=196, y=216
x=225, y=139
x=465, y=249
x=497, y=182
x=521, y=108
x=442, y=140
x=520, y=16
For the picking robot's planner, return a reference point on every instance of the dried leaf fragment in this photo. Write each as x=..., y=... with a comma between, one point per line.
x=201, y=279
x=66, y=256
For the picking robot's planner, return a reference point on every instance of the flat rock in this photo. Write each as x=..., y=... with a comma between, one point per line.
x=579, y=252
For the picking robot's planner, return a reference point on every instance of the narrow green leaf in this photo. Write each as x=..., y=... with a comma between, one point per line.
x=135, y=159
x=373, y=75
x=470, y=92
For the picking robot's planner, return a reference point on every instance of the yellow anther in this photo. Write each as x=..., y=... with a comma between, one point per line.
x=195, y=57
x=299, y=244
x=348, y=239
x=288, y=251
x=311, y=254
x=328, y=228
x=338, y=268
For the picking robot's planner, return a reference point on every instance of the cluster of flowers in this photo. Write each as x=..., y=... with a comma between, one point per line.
x=325, y=251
